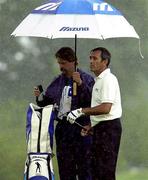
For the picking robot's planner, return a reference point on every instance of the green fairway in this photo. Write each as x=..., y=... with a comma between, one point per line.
x=133, y=174
x=13, y=147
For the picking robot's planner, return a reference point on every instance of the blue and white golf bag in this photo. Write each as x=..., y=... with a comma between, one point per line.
x=39, y=135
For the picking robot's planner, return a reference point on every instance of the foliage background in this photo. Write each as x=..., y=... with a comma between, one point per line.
x=26, y=62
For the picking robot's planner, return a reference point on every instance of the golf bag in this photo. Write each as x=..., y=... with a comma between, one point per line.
x=39, y=137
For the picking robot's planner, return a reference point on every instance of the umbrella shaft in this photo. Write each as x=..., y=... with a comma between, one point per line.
x=75, y=51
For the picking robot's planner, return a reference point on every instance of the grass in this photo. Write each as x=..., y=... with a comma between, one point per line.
x=133, y=174
x=13, y=146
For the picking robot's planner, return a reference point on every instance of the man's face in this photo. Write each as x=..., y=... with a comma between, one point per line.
x=96, y=63
x=66, y=67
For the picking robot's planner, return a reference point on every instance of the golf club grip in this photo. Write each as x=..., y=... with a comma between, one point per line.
x=74, y=88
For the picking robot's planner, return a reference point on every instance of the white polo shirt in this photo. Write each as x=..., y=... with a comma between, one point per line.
x=106, y=90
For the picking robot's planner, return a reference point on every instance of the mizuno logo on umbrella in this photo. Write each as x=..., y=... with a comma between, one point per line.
x=102, y=7
x=49, y=6
x=74, y=29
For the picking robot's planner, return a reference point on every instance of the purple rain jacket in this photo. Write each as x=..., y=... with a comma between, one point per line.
x=53, y=93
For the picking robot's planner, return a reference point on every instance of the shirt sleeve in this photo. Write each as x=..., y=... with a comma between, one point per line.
x=108, y=91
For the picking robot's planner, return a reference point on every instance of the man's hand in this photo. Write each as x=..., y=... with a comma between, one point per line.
x=77, y=78
x=87, y=130
x=36, y=92
x=73, y=115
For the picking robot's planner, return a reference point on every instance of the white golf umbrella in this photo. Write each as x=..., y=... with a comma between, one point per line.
x=85, y=18
x=93, y=19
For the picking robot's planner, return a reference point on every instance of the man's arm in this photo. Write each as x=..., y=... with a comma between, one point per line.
x=44, y=100
x=85, y=84
x=103, y=108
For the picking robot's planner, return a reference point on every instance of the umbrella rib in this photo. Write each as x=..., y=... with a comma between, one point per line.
x=140, y=49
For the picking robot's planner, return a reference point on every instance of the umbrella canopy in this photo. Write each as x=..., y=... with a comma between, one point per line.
x=94, y=19
x=67, y=18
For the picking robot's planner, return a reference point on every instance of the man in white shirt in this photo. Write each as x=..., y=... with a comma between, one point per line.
x=105, y=114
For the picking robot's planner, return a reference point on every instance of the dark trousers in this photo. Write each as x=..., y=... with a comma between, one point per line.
x=106, y=141
x=73, y=153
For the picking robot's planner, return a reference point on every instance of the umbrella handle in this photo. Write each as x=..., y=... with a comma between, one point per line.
x=74, y=83
x=74, y=88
